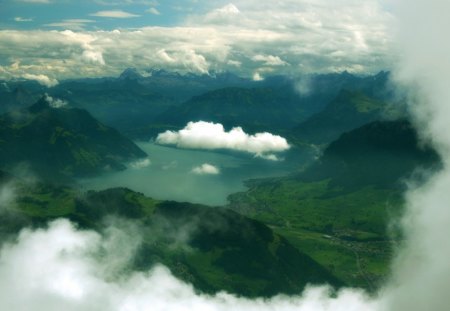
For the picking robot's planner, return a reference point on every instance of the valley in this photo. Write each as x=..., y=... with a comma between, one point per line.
x=322, y=211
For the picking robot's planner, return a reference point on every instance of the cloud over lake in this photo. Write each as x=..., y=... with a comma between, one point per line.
x=213, y=136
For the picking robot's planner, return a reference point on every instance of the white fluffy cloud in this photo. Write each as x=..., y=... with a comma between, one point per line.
x=208, y=135
x=22, y=19
x=269, y=60
x=114, y=14
x=40, y=78
x=55, y=102
x=206, y=169
x=143, y=163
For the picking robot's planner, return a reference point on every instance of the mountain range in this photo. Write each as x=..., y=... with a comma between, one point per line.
x=142, y=104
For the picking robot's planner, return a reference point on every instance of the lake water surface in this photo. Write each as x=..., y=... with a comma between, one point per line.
x=169, y=174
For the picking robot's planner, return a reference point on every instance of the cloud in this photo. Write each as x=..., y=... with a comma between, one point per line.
x=299, y=37
x=224, y=15
x=206, y=169
x=35, y=1
x=72, y=24
x=41, y=79
x=169, y=166
x=153, y=11
x=55, y=102
x=64, y=268
x=269, y=60
x=420, y=279
x=257, y=77
x=211, y=136
x=22, y=19
x=139, y=164
x=91, y=56
x=7, y=196
x=114, y=14
x=127, y=2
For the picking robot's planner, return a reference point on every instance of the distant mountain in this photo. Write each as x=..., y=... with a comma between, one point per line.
x=17, y=97
x=255, y=109
x=349, y=110
x=60, y=142
x=183, y=87
x=123, y=103
x=213, y=248
x=131, y=74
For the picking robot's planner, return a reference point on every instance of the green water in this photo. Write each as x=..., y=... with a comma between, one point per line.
x=170, y=177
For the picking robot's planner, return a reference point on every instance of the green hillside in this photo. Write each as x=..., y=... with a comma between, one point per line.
x=60, y=143
x=349, y=110
x=214, y=249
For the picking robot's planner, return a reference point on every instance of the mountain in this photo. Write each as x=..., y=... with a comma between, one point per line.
x=339, y=209
x=379, y=153
x=131, y=102
x=255, y=109
x=59, y=142
x=130, y=74
x=318, y=90
x=17, y=97
x=349, y=110
x=215, y=249
x=124, y=103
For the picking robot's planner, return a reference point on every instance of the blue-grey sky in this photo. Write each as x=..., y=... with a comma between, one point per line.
x=50, y=40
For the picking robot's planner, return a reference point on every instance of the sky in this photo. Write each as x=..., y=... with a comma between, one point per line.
x=52, y=40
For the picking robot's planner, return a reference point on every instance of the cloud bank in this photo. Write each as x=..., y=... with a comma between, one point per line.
x=206, y=169
x=421, y=271
x=300, y=36
x=212, y=136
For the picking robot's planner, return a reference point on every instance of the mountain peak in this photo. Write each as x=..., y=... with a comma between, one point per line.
x=130, y=73
x=41, y=105
x=47, y=102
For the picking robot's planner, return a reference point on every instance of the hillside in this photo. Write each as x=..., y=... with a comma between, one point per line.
x=349, y=110
x=214, y=249
x=338, y=210
x=379, y=153
x=57, y=143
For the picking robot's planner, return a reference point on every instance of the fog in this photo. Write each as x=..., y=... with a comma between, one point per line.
x=60, y=268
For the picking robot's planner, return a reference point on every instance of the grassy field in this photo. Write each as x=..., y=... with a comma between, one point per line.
x=345, y=231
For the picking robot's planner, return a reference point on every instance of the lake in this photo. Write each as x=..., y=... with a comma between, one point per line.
x=168, y=173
